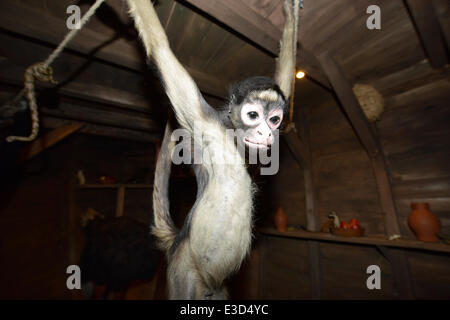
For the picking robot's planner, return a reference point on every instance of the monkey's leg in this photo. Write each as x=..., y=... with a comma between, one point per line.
x=183, y=279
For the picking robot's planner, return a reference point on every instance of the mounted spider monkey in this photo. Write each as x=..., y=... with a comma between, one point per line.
x=217, y=233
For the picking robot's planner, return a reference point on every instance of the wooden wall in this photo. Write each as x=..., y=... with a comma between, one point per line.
x=415, y=137
x=37, y=226
x=33, y=229
x=415, y=134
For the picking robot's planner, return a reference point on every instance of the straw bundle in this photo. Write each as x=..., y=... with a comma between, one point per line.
x=370, y=100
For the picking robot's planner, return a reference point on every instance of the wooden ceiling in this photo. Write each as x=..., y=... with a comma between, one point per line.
x=220, y=42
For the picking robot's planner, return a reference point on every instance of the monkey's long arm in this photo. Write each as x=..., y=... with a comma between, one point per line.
x=287, y=58
x=180, y=87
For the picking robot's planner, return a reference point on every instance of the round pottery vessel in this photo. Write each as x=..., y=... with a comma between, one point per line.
x=281, y=220
x=424, y=223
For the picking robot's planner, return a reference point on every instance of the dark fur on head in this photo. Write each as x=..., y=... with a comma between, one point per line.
x=241, y=90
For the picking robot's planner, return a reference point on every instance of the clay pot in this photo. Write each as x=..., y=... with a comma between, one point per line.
x=424, y=223
x=281, y=220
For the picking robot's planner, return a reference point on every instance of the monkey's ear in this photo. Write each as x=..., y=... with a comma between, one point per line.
x=232, y=101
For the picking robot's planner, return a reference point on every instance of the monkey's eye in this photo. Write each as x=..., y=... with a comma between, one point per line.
x=253, y=115
x=275, y=119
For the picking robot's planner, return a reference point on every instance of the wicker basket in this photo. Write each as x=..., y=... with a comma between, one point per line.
x=371, y=101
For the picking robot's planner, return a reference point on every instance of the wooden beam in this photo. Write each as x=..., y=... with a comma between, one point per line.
x=105, y=131
x=41, y=25
x=103, y=116
x=94, y=92
x=385, y=194
x=344, y=92
x=442, y=11
x=237, y=15
x=427, y=25
x=44, y=142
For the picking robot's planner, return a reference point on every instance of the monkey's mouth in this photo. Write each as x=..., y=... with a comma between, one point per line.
x=254, y=144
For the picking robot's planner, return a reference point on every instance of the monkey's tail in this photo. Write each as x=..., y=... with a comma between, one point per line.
x=163, y=227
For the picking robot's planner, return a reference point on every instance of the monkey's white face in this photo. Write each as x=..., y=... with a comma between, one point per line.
x=262, y=124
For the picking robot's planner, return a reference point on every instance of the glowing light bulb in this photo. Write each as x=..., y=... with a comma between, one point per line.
x=300, y=75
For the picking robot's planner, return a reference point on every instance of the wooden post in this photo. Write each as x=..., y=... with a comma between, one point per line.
x=44, y=142
x=312, y=214
x=120, y=201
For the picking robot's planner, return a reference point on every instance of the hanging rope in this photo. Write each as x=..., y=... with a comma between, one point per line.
x=43, y=72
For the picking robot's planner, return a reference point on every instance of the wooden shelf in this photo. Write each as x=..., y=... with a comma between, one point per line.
x=115, y=186
x=375, y=240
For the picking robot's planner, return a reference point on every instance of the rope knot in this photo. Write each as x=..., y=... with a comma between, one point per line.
x=42, y=72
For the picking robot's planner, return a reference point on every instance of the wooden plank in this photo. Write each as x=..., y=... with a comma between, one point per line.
x=79, y=89
x=115, y=185
x=315, y=269
x=103, y=130
x=422, y=188
x=373, y=240
x=402, y=280
x=52, y=29
x=421, y=96
x=44, y=142
x=240, y=17
x=415, y=76
x=120, y=201
x=427, y=25
x=71, y=111
x=442, y=10
x=349, y=102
